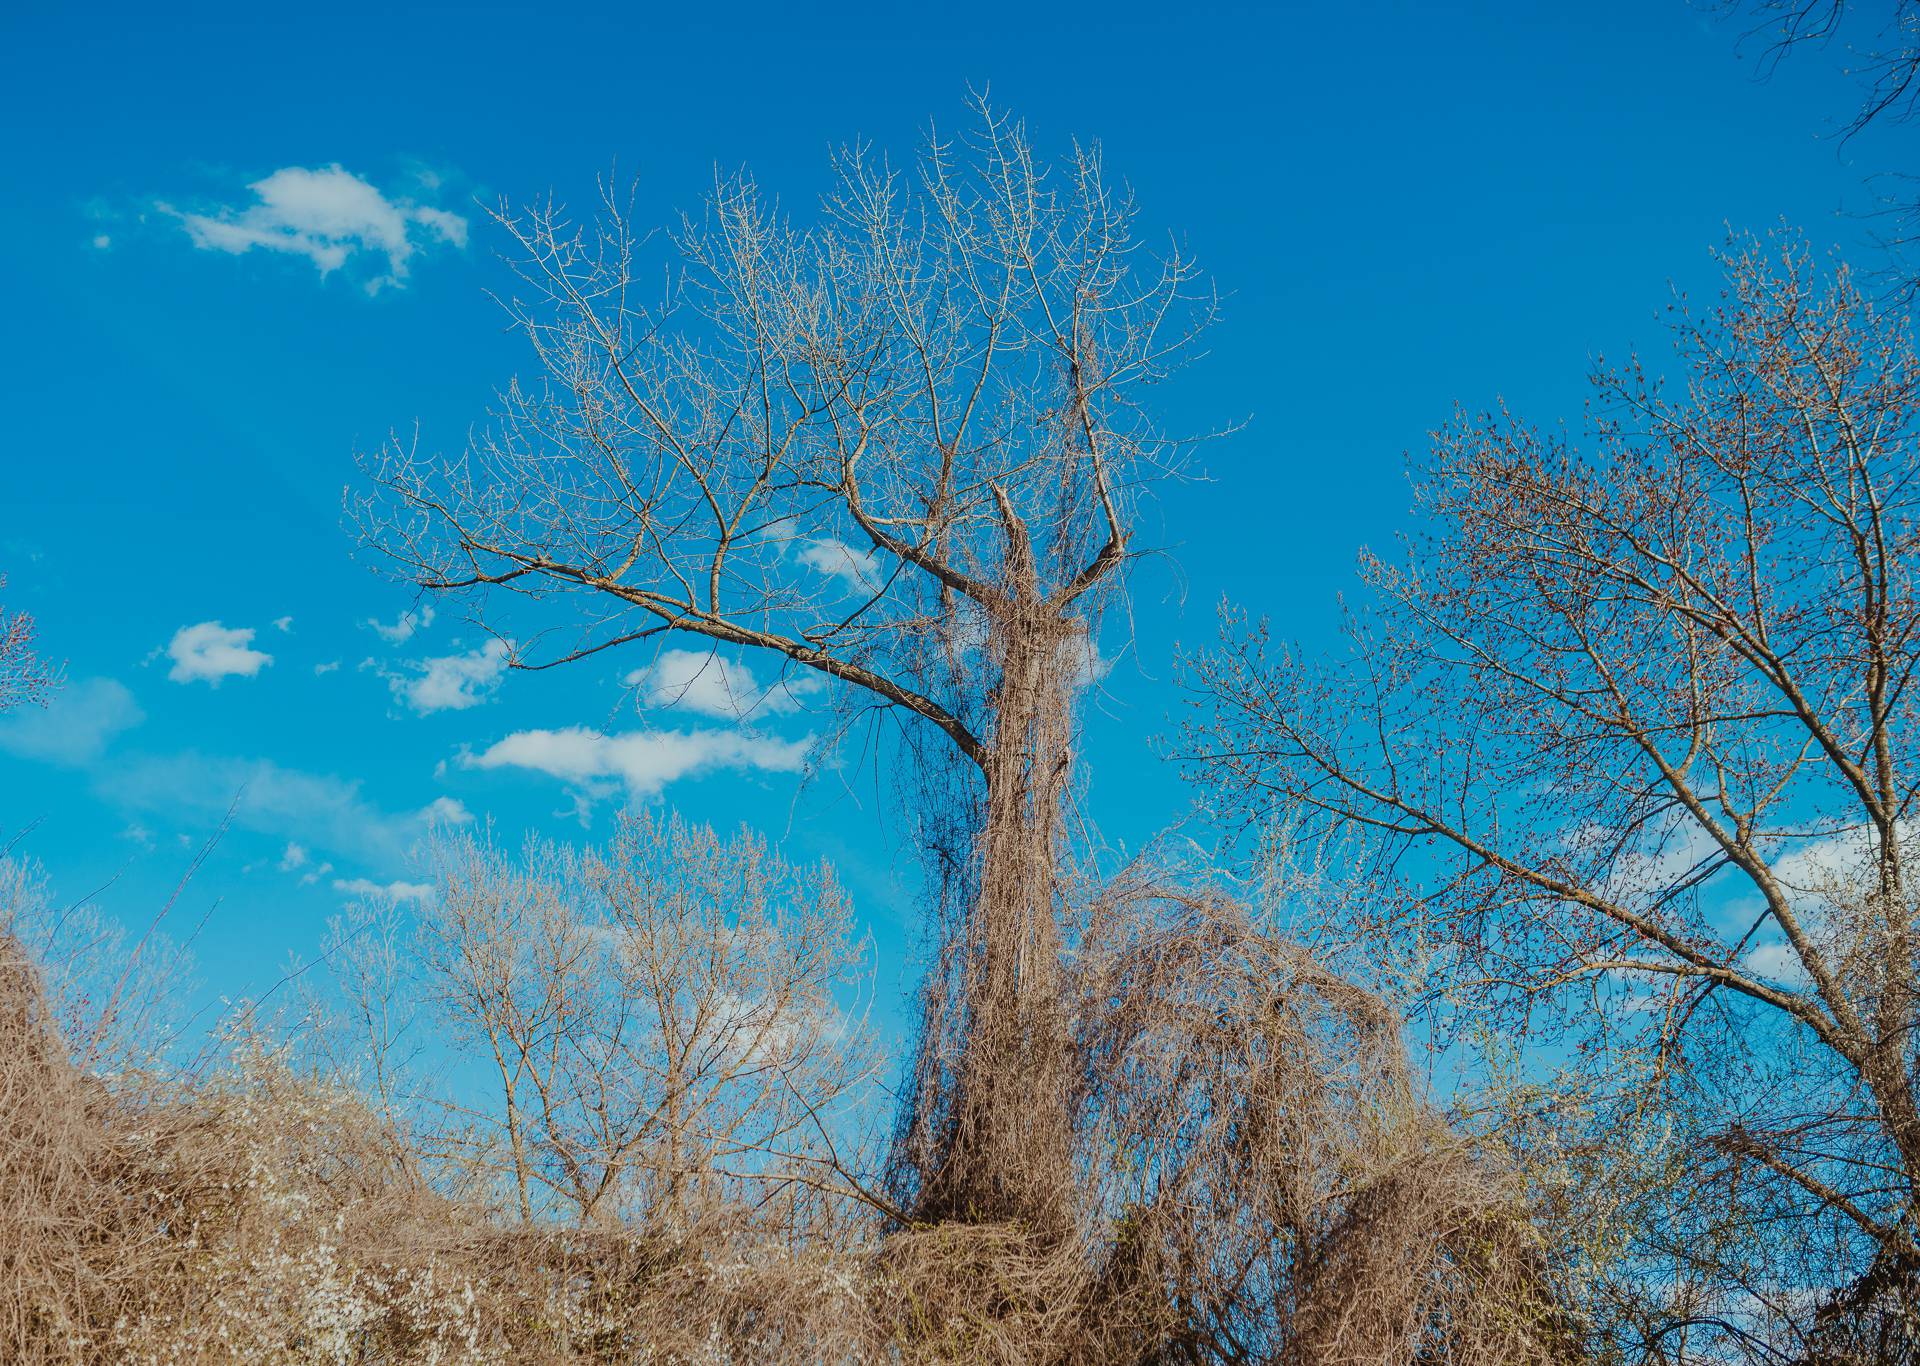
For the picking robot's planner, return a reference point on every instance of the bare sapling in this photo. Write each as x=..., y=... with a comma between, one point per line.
x=666, y=1027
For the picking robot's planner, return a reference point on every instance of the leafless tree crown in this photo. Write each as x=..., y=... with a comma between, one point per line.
x=851, y=443
x=1634, y=732
x=666, y=1026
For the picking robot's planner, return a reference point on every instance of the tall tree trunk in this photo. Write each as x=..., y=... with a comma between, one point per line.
x=1005, y=1153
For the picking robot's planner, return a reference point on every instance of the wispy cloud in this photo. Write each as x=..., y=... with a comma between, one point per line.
x=643, y=761
x=404, y=625
x=75, y=727
x=328, y=215
x=316, y=810
x=1082, y=655
x=451, y=682
x=387, y=891
x=209, y=652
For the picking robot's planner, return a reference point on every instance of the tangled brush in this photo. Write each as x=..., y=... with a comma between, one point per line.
x=1254, y=1179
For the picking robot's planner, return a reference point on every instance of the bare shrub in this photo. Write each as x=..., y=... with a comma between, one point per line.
x=1258, y=1177
x=150, y=1221
x=666, y=1026
x=116, y=999
x=1266, y=1166
x=249, y=1214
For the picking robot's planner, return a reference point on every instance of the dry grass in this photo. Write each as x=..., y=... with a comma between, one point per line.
x=249, y=1214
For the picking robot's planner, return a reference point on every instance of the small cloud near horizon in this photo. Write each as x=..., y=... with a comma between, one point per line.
x=388, y=891
x=643, y=762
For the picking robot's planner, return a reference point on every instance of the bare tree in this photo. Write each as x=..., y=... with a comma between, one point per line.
x=1633, y=734
x=364, y=1034
x=900, y=447
x=661, y=1019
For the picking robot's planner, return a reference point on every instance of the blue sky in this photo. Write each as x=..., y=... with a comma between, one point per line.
x=1408, y=206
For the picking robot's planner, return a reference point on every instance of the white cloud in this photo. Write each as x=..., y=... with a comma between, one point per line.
x=1642, y=1003
x=331, y=666
x=703, y=682
x=102, y=242
x=75, y=727
x=404, y=625
x=856, y=568
x=390, y=891
x=1778, y=963
x=446, y=811
x=963, y=630
x=451, y=682
x=760, y=1030
x=645, y=761
x=450, y=227
x=328, y=215
x=283, y=623
x=1832, y=866
x=1826, y=880
x=210, y=652
x=295, y=857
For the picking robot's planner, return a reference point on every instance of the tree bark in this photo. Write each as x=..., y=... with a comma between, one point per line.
x=1006, y=1157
